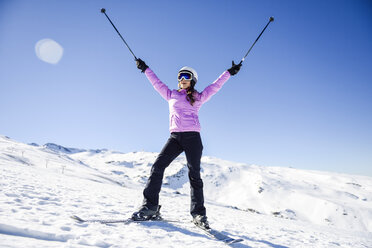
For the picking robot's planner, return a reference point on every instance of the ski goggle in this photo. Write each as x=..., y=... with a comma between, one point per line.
x=184, y=75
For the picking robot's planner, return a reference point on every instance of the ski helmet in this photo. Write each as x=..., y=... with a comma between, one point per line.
x=191, y=70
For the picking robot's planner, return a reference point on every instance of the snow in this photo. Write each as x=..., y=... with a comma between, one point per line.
x=42, y=186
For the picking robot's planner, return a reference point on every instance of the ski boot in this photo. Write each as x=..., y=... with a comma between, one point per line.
x=201, y=221
x=144, y=214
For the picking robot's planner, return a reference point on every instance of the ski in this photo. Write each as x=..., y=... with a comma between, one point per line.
x=101, y=221
x=219, y=235
x=114, y=221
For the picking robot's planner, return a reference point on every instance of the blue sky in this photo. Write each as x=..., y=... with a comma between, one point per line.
x=302, y=99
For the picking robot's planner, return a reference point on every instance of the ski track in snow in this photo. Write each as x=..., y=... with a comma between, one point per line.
x=40, y=188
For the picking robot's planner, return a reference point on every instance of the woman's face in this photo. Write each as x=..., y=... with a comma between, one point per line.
x=184, y=84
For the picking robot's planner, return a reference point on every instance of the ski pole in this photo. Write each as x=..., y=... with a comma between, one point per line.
x=270, y=20
x=104, y=12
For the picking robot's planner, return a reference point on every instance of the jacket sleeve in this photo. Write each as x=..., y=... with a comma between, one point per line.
x=213, y=88
x=159, y=86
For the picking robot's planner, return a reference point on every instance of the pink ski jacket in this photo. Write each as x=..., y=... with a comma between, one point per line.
x=183, y=117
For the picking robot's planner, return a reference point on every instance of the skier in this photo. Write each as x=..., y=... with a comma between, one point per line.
x=184, y=105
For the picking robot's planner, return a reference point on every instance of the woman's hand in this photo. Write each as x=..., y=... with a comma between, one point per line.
x=141, y=65
x=235, y=68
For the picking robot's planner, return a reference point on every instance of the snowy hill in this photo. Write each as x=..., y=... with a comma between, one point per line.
x=41, y=186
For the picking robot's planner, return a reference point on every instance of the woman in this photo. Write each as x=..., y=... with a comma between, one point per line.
x=184, y=105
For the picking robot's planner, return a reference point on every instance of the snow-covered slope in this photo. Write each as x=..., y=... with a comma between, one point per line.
x=41, y=186
x=339, y=200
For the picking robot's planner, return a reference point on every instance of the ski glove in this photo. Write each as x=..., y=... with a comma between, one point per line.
x=235, y=68
x=141, y=65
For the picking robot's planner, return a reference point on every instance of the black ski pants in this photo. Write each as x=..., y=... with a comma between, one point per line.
x=191, y=144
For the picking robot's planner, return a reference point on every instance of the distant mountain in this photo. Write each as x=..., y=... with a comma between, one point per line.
x=62, y=149
x=33, y=144
x=59, y=148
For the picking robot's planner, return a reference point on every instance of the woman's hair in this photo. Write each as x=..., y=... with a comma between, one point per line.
x=190, y=92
